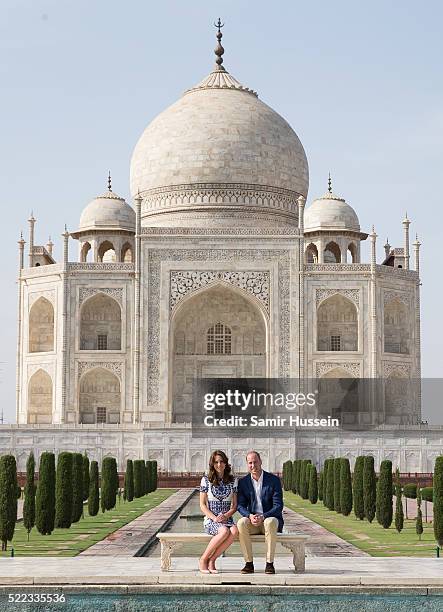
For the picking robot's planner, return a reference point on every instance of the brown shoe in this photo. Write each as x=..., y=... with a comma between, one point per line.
x=269, y=569
x=248, y=568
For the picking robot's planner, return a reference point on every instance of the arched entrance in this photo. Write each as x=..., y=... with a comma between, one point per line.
x=219, y=332
x=100, y=397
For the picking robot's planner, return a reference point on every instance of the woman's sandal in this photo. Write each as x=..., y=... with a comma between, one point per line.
x=203, y=571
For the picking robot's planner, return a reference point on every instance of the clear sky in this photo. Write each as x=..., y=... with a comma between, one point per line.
x=360, y=82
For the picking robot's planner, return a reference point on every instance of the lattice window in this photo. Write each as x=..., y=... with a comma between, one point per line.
x=102, y=342
x=335, y=343
x=101, y=414
x=219, y=340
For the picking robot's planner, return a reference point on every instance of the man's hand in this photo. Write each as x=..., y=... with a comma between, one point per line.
x=256, y=519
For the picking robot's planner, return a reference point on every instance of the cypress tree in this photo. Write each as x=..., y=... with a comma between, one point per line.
x=313, y=485
x=154, y=475
x=77, y=487
x=330, y=485
x=138, y=475
x=108, y=483
x=419, y=517
x=357, y=488
x=85, y=477
x=437, y=495
x=369, y=488
x=295, y=475
x=94, y=496
x=399, y=516
x=304, y=478
x=148, y=477
x=45, y=496
x=345, y=487
x=63, y=491
x=384, y=495
x=129, y=481
x=325, y=481
x=8, y=498
x=336, y=481
x=29, y=504
x=287, y=475
x=320, y=486
x=299, y=475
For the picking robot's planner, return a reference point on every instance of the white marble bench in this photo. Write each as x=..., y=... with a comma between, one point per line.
x=172, y=541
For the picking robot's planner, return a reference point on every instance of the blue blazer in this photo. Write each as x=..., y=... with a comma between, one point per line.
x=271, y=497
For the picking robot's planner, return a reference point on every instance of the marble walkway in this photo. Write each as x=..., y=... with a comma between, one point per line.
x=132, y=538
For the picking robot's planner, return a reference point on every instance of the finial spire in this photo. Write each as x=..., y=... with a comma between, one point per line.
x=219, y=49
x=109, y=181
x=329, y=183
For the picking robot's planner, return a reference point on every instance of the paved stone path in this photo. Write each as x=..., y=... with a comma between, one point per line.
x=130, y=539
x=322, y=543
x=331, y=571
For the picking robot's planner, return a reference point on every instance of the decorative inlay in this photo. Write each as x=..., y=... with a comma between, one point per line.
x=114, y=366
x=226, y=231
x=183, y=282
x=155, y=257
x=351, y=294
x=401, y=296
x=100, y=267
x=352, y=367
x=49, y=295
x=391, y=366
x=87, y=292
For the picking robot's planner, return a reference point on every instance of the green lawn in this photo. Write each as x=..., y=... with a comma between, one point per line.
x=370, y=537
x=89, y=530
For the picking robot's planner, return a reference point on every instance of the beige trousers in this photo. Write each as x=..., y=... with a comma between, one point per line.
x=246, y=529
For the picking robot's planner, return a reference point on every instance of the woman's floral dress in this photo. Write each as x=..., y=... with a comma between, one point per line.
x=219, y=502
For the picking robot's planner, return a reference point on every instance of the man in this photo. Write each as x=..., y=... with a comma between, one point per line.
x=260, y=502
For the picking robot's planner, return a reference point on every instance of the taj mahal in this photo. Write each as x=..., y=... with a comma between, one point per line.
x=220, y=267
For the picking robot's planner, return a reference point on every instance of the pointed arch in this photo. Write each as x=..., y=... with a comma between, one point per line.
x=332, y=253
x=126, y=253
x=100, y=324
x=311, y=253
x=40, y=398
x=106, y=252
x=352, y=250
x=41, y=326
x=337, y=324
x=99, y=397
x=396, y=328
x=85, y=251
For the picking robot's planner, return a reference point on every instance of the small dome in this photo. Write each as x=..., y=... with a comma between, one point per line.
x=107, y=212
x=331, y=213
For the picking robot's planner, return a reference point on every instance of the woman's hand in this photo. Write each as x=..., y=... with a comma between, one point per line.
x=220, y=518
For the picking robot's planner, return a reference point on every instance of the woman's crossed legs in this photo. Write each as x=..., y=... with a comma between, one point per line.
x=218, y=544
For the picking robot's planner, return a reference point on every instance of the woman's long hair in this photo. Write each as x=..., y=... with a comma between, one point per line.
x=212, y=474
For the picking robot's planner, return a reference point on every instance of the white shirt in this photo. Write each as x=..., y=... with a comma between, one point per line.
x=257, y=484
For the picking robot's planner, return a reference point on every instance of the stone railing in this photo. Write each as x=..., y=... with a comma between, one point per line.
x=100, y=267
x=42, y=270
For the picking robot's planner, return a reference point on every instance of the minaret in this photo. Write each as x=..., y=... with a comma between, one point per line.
x=137, y=310
x=301, y=283
x=50, y=246
x=373, y=239
x=21, y=247
x=406, y=224
x=387, y=248
x=417, y=244
x=31, y=222
x=64, y=360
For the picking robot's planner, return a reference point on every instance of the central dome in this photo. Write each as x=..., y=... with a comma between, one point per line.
x=219, y=155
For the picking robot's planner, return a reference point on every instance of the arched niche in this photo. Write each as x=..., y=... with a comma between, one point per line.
x=338, y=396
x=99, y=397
x=100, y=324
x=41, y=326
x=106, y=252
x=353, y=252
x=40, y=398
x=396, y=329
x=218, y=308
x=332, y=253
x=85, y=251
x=337, y=325
x=311, y=254
x=126, y=253
x=398, y=391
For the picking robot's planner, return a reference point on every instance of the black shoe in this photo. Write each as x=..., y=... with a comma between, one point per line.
x=269, y=569
x=248, y=568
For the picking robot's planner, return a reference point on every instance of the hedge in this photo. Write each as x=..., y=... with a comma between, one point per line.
x=45, y=496
x=8, y=498
x=410, y=490
x=63, y=491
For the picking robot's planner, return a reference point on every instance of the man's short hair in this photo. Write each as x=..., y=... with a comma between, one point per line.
x=250, y=452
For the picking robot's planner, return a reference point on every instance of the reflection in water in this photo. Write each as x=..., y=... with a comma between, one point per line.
x=190, y=520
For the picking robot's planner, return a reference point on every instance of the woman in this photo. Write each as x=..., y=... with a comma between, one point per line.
x=218, y=502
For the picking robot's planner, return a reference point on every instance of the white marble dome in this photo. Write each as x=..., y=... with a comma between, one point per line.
x=218, y=136
x=331, y=212
x=107, y=212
